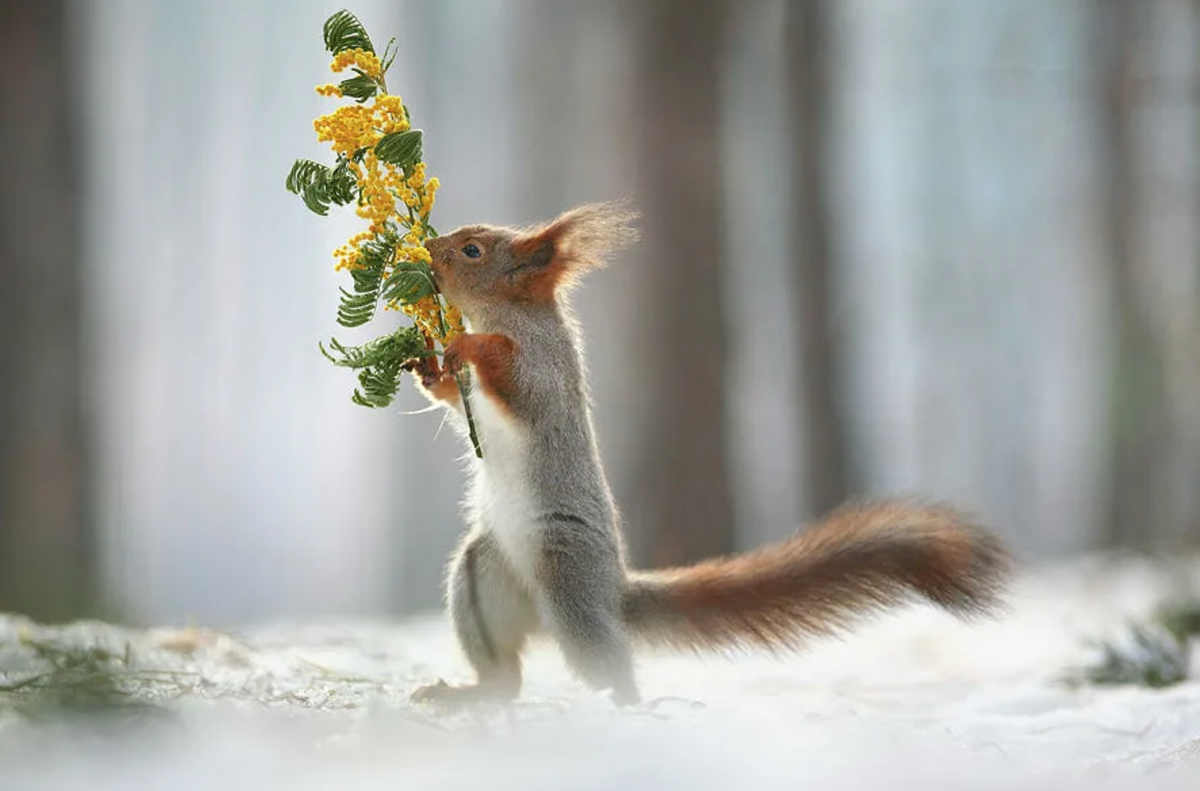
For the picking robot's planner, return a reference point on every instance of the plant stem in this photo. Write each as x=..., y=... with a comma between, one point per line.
x=464, y=385
x=463, y=379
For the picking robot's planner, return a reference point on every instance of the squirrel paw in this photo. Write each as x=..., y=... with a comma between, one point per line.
x=430, y=693
x=424, y=368
x=452, y=359
x=625, y=697
x=437, y=383
x=445, y=694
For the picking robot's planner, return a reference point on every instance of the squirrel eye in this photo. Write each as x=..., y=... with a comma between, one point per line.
x=471, y=251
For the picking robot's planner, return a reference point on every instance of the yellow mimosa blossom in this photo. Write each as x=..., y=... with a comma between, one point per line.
x=395, y=204
x=427, y=313
x=368, y=62
x=454, y=321
x=416, y=179
x=431, y=189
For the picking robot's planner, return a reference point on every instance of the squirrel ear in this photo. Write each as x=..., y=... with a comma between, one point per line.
x=533, y=252
x=535, y=273
x=577, y=241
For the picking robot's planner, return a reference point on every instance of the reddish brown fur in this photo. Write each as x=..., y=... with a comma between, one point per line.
x=574, y=243
x=859, y=560
x=492, y=356
x=541, y=283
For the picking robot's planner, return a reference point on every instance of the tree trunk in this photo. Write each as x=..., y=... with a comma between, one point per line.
x=808, y=83
x=46, y=554
x=1138, y=413
x=683, y=496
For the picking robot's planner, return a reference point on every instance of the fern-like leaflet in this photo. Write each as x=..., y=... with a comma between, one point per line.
x=379, y=363
x=319, y=185
x=343, y=31
x=360, y=87
x=410, y=283
x=402, y=149
x=357, y=308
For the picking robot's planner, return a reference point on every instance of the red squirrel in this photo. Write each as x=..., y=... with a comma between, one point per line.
x=544, y=549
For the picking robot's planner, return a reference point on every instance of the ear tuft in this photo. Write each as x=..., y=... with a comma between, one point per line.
x=582, y=238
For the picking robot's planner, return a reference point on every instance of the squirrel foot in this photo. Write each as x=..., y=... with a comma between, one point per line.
x=625, y=697
x=445, y=694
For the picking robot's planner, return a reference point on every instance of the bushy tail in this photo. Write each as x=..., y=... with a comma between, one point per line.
x=859, y=560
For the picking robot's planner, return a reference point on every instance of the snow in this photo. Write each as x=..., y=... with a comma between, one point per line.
x=912, y=700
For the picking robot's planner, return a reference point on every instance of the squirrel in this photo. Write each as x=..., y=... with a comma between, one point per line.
x=544, y=549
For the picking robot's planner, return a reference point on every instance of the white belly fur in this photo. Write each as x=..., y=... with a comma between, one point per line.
x=503, y=495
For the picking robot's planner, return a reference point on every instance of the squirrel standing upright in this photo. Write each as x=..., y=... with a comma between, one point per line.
x=544, y=547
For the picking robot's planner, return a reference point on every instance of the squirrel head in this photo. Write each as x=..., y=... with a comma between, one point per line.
x=482, y=265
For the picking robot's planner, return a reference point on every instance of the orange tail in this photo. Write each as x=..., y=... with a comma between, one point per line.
x=859, y=560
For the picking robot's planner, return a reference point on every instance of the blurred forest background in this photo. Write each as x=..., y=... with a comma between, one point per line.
x=945, y=247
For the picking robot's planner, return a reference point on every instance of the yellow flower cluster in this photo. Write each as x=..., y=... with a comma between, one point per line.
x=389, y=200
x=355, y=126
x=367, y=62
x=427, y=314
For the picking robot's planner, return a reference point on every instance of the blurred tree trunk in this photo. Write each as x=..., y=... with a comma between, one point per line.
x=823, y=445
x=548, y=32
x=46, y=555
x=1138, y=416
x=684, y=488
x=1191, y=351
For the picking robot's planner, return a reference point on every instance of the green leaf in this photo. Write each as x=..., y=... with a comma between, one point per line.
x=402, y=149
x=319, y=186
x=359, y=307
x=380, y=363
x=408, y=284
x=356, y=309
x=389, y=54
x=343, y=31
x=341, y=186
x=305, y=172
x=405, y=343
x=359, y=88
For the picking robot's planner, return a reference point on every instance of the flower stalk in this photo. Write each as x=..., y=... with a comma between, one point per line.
x=379, y=167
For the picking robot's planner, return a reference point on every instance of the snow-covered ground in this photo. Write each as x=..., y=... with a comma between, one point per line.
x=913, y=700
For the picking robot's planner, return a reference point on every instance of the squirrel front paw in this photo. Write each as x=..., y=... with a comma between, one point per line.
x=452, y=357
x=438, y=383
x=424, y=368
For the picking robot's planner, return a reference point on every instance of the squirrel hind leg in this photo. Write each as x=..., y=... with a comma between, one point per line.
x=580, y=584
x=596, y=647
x=492, y=616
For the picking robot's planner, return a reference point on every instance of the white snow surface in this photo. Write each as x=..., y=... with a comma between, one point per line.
x=915, y=699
